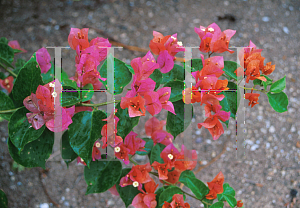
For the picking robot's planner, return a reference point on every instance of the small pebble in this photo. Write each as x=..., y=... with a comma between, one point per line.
x=10, y=173
x=66, y=203
x=110, y=202
x=267, y=145
x=254, y=147
x=44, y=205
x=204, y=162
x=265, y=19
x=263, y=130
x=293, y=129
x=286, y=30
x=198, y=132
x=208, y=141
x=272, y=129
x=63, y=198
x=67, y=189
x=199, y=140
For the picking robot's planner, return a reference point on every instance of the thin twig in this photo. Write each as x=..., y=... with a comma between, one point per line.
x=41, y=172
x=214, y=159
x=128, y=47
x=10, y=71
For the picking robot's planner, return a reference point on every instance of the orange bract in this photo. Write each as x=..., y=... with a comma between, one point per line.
x=253, y=98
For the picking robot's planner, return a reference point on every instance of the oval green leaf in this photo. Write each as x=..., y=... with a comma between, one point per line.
x=122, y=75
x=69, y=97
x=27, y=81
x=3, y=199
x=176, y=123
x=217, y=205
x=126, y=123
x=34, y=153
x=102, y=175
x=155, y=153
x=156, y=76
x=84, y=131
x=177, y=73
x=6, y=53
x=230, y=67
x=67, y=152
x=278, y=101
x=20, y=131
x=278, y=86
x=197, y=187
x=5, y=104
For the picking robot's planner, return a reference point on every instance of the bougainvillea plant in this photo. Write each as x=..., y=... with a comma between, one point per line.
x=158, y=83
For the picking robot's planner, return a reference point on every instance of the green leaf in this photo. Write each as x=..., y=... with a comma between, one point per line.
x=19, y=129
x=156, y=76
x=231, y=99
x=84, y=131
x=263, y=83
x=159, y=191
x=217, y=205
x=127, y=193
x=67, y=152
x=49, y=76
x=168, y=194
x=64, y=75
x=4, y=40
x=228, y=195
x=177, y=73
x=122, y=75
x=2, y=75
x=278, y=101
x=196, y=65
x=5, y=104
x=130, y=68
x=230, y=67
x=176, y=90
x=6, y=54
x=69, y=98
x=19, y=64
x=102, y=175
x=175, y=123
x=27, y=81
x=278, y=86
x=225, y=107
x=186, y=174
x=3, y=199
x=126, y=123
x=34, y=153
x=207, y=201
x=17, y=51
x=148, y=147
x=155, y=153
x=87, y=94
x=197, y=187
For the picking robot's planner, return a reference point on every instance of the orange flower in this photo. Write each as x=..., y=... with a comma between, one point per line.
x=239, y=203
x=253, y=98
x=268, y=69
x=195, y=95
x=157, y=43
x=215, y=186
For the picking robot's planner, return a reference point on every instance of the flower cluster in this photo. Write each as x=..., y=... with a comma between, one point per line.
x=41, y=106
x=7, y=83
x=177, y=202
x=142, y=90
x=96, y=154
x=166, y=47
x=89, y=55
x=254, y=63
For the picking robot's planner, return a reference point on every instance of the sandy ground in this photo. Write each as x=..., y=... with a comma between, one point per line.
x=271, y=156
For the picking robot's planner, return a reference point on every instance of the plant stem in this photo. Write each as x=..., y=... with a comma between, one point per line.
x=253, y=89
x=10, y=71
x=97, y=104
x=9, y=111
x=131, y=160
x=80, y=92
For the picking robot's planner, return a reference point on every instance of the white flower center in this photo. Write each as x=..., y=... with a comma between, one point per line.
x=211, y=29
x=117, y=149
x=98, y=144
x=170, y=156
x=52, y=85
x=203, y=29
x=6, y=81
x=82, y=160
x=54, y=94
x=179, y=43
x=135, y=184
x=173, y=37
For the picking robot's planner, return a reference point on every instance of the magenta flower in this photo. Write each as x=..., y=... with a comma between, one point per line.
x=43, y=58
x=153, y=105
x=133, y=143
x=15, y=45
x=98, y=48
x=164, y=96
x=165, y=61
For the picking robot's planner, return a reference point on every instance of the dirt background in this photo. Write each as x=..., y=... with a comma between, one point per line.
x=271, y=156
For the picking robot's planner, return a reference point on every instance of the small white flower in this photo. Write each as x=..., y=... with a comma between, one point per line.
x=203, y=29
x=170, y=156
x=135, y=184
x=98, y=144
x=52, y=85
x=173, y=37
x=179, y=43
x=81, y=160
x=54, y=94
x=117, y=149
